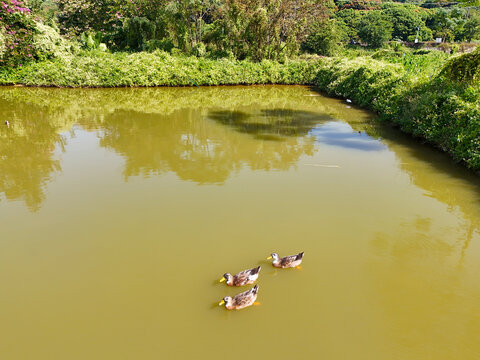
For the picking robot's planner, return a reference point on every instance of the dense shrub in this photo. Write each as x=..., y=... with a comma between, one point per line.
x=375, y=29
x=137, y=31
x=24, y=39
x=406, y=21
x=95, y=68
x=464, y=68
x=327, y=39
x=18, y=30
x=48, y=43
x=350, y=18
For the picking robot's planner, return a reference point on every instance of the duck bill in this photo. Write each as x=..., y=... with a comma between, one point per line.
x=269, y=258
x=222, y=279
x=221, y=303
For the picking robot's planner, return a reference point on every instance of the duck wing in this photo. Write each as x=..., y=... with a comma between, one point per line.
x=288, y=260
x=254, y=271
x=246, y=298
x=241, y=278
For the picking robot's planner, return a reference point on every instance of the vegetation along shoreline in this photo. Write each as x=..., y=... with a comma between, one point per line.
x=437, y=103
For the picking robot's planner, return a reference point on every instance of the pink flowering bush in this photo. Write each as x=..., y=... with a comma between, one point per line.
x=18, y=29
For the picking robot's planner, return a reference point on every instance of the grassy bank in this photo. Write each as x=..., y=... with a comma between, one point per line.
x=427, y=95
x=438, y=103
x=103, y=69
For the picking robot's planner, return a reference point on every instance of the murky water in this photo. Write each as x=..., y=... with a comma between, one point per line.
x=121, y=208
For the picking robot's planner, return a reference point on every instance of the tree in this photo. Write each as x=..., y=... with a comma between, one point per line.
x=77, y=16
x=327, y=38
x=448, y=24
x=362, y=5
x=375, y=29
x=351, y=19
x=268, y=28
x=472, y=29
x=405, y=20
x=469, y=3
x=186, y=20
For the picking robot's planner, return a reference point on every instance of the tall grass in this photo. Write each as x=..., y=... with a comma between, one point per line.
x=101, y=69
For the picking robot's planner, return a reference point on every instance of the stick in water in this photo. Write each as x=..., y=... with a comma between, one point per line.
x=326, y=166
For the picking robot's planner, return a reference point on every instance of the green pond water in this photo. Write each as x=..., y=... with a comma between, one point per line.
x=120, y=209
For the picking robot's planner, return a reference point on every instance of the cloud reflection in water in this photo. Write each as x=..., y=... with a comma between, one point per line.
x=342, y=135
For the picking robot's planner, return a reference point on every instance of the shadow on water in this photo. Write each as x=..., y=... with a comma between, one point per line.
x=270, y=124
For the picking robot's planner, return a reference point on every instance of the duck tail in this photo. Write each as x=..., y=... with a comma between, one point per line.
x=300, y=256
x=256, y=270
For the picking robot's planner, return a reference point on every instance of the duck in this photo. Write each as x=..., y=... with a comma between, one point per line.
x=240, y=301
x=7, y=123
x=290, y=261
x=242, y=278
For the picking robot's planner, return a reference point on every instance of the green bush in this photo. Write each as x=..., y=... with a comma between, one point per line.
x=375, y=29
x=23, y=39
x=406, y=20
x=164, y=44
x=48, y=42
x=327, y=38
x=18, y=30
x=464, y=68
x=138, y=30
x=95, y=68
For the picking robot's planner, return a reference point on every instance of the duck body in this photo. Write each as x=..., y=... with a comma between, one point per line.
x=242, y=278
x=240, y=301
x=290, y=261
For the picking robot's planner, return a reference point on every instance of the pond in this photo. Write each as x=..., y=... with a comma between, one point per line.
x=120, y=209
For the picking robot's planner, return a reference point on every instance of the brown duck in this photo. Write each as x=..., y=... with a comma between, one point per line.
x=241, y=300
x=242, y=278
x=287, y=261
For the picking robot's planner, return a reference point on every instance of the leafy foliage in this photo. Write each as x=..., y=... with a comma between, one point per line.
x=265, y=28
x=375, y=29
x=464, y=68
x=406, y=21
x=327, y=39
x=18, y=29
x=96, y=68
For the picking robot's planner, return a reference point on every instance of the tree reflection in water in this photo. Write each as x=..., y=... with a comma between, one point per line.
x=200, y=150
x=189, y=131
x=27, y=147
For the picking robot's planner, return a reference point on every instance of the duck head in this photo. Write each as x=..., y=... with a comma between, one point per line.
x=227, y=277
x=227, y=301
x=274, y=256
